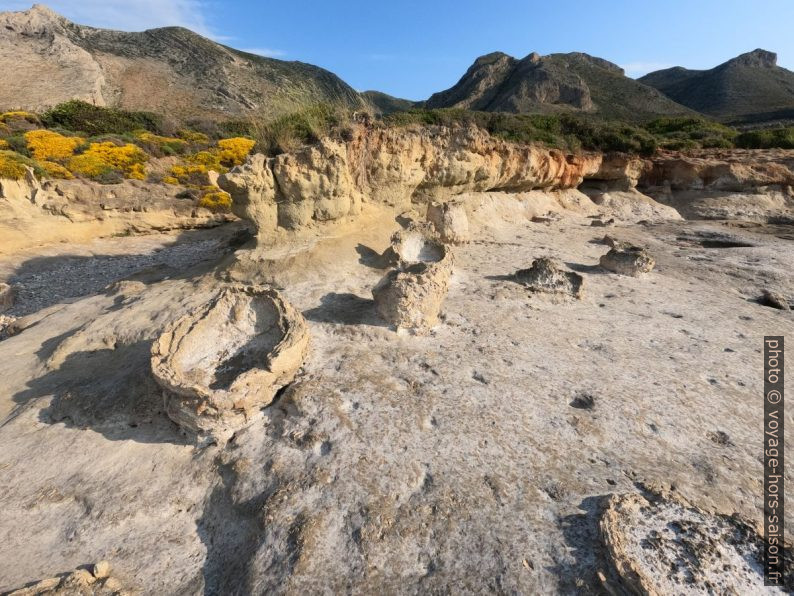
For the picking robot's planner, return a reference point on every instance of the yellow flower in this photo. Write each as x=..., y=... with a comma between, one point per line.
x=48, y=145
x=216, y=201
x=234, y=151
x=55, y=170
x=12, y=165
x=100, y=158
x=19, y=115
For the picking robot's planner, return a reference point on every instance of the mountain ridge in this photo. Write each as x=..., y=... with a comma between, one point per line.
x=572, y=82
x=749, y=88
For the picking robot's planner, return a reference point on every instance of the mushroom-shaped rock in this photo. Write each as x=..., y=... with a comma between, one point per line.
x=548, y=276
x=667, y=546
x=414, y=245
x=628, y=260
x=410, y=296
x=218, y=365
x=450, y=221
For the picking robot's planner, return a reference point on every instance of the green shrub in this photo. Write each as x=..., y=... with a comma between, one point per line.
x=79, y=116
x=770, y=138
x=299, y=128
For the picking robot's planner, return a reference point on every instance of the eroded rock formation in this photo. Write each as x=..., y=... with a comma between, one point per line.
x=219, y=364
x=547, y=275
x=392, y=166
x=449, y=220
x=666, y=546
x=738, y=184
x=628, y=260
x=410, y=296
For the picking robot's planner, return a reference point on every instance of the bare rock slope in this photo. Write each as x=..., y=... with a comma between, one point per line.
x=46, y=59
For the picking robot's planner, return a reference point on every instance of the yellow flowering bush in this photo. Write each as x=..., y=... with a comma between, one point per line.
x=209, y=160
x=189, y=174
x=168, y=145
x=216, y=201
x=19, y=115
x=193, y=137
x=49, y=145
x=55, y=170
x=12, y=165
x=101, y=158
x=234, y=151
x=3, y=144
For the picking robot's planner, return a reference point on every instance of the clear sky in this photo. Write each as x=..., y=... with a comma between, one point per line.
x=412, y=48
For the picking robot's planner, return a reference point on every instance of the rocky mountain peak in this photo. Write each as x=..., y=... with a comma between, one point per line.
x=757, y=59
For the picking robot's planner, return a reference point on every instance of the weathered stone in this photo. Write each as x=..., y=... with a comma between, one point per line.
x=101, y=569
x=410, y=297
x=450, y=221
x=547, y=276
x=413, y=245
x=253, y=191
x=628, y=260
x=6, y=297
x=219, y=364
x=775, y=300
x=7, y=327
x=79, y=582
x=667, y=546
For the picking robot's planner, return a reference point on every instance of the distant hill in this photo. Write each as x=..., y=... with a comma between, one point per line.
x=574, y=82
x=46, y=59
x=750, y=88
x=383, y=103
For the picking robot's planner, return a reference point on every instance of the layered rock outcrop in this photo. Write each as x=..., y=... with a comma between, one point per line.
x=755, y=185
x=392, y=166
x=217, y=365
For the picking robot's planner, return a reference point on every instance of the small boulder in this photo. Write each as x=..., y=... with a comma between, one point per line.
x=450, y=221
x=775, y=300
x=548, y=276
x=628, y=260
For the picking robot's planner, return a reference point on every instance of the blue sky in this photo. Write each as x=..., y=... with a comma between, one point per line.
x=412, y=49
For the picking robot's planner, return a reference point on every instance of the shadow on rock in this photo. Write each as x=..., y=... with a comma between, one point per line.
x=40, y=282
x=231, y=532
x=110, y=391
x=345, y=309
x=591, y=269
x=371, y=258
x=578, y=572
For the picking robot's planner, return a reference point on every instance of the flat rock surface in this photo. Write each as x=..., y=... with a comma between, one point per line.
x=475, y=458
